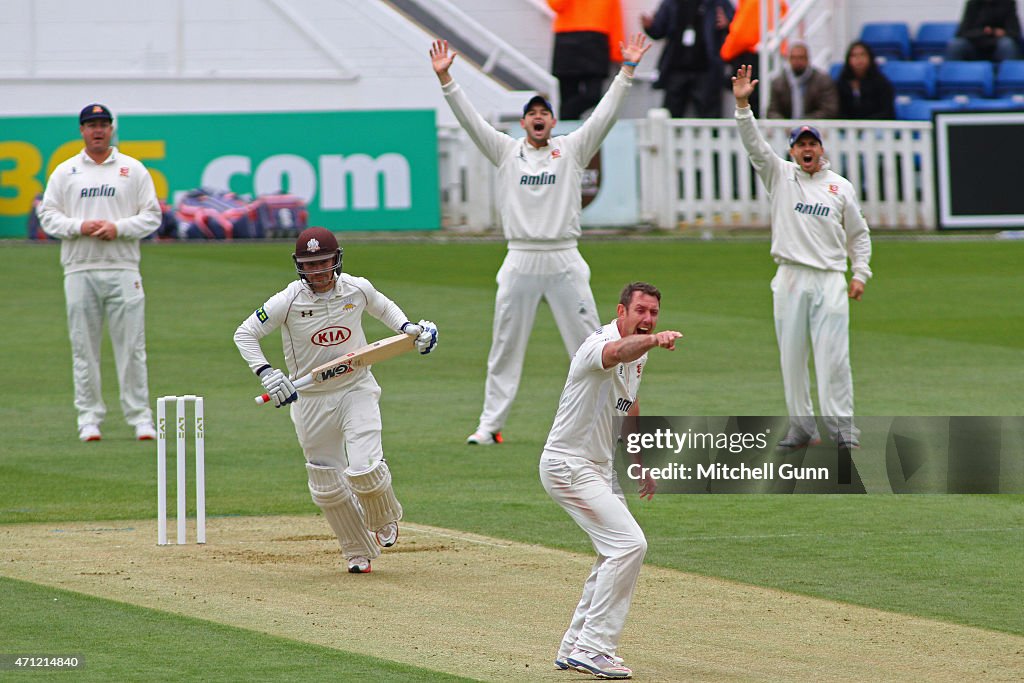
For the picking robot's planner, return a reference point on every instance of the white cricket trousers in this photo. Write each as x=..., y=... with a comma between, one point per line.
x=114, y=296
x=589, y=493
x=562, y=278
x=341, y=429
x=812, y=305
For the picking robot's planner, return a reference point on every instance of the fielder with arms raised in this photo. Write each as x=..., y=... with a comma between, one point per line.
x=540, y=196
x=816, y=224
x=576, y=470
x=338, y=423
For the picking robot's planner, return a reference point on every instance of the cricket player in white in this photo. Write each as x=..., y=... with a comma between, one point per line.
x=540, y=199
x=99, y=204
x=816, y=223
x=338, y=423
x=576, y=470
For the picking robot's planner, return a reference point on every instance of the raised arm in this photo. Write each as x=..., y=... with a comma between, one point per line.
x=491, y=143
x=591, y=134
x=765, y=161
x=743, y=86
x=441, y=59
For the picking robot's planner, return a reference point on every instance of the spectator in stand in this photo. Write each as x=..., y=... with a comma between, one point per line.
x=690, y=69
x=740, y=46
x=989, y=29
x=803, y=92
x=864, y=91
x=587, y=38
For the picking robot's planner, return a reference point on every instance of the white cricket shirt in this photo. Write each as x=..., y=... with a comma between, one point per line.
x=119, y=190
x=317, y=329
x=816, y=220
x=594, y=401
x=540, y=191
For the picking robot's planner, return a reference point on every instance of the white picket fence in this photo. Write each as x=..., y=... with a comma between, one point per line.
x=695, y=172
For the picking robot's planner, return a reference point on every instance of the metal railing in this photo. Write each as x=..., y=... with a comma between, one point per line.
x=474, y=41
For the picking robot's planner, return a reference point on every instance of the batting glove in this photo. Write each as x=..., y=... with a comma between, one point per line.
x=278, y=386
x=411, y=329
x=427, y=338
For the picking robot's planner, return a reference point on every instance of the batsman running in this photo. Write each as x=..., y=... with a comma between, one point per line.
x=338, y=423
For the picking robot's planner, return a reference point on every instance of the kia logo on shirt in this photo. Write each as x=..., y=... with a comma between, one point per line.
x=331, y=336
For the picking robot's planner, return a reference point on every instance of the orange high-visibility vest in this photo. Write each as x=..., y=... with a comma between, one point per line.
x=745, y=29
x=602, y=16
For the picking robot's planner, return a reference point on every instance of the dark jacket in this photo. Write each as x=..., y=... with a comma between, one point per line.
x=668, y=23
x=580, y=53
x=820, y=98
x=995, y=13
x=875, y=100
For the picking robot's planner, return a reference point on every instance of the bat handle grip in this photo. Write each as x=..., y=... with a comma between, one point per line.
x=303, y=381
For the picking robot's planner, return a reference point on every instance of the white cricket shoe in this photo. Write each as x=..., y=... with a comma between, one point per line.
x=482, y=438
x=601, y=666
x=798, y=440
x=387, y=535
x=846, y=441
x=358, y=565
x=144, y=431
x=89, y=433
x=562, y=661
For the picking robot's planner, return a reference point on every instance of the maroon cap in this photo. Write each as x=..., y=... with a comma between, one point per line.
x=314, y=244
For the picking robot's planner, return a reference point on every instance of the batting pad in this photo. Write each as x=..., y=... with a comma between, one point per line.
x=342, y=511
x=373, y=489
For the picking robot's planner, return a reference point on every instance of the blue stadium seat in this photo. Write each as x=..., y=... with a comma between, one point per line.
x=890, y=40
x=916, y=79
x=912, y=109
x=974, y=79
x=1010, y=78
x=834, y=70
x=994, y=104
x=932, y=37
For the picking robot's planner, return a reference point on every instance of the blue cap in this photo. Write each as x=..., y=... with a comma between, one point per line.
x=799, y=131
x=538, y=99
x=94, y=111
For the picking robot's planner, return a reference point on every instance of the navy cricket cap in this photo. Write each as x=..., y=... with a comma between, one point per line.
x=535, y=100
x=94, y=111
x=800, y=131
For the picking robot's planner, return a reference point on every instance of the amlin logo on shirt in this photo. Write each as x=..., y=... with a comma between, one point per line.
x=544, y=178
x=101, y=191
x=817, y=209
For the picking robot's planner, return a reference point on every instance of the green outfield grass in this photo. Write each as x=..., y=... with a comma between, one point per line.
x=119, y=642
x=940, y=332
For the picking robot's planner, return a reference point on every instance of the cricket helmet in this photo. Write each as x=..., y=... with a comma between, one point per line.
x=315, y=245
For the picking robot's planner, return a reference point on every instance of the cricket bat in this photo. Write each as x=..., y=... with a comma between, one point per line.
x=375, y=352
